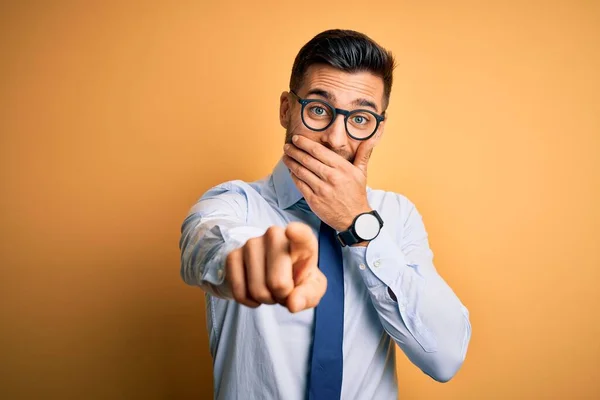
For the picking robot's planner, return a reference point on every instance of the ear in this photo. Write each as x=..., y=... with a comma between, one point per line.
x=284, y=109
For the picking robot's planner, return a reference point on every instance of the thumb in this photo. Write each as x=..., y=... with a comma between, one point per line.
x=309, y=291
x=363, y=153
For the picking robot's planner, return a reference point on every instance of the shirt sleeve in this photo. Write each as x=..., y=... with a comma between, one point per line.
x=415, y=305
x=214, y=227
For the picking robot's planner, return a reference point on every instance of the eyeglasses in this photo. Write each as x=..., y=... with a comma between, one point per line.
x=318, y=115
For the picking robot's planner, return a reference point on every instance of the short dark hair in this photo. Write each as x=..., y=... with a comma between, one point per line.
x=346, y=50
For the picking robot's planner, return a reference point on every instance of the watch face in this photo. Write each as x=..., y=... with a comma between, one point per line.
x=367, y=226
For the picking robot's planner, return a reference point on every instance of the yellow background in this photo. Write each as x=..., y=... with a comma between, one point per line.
x=115, y=118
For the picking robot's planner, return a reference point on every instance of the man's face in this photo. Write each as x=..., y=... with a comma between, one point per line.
x=348, y=91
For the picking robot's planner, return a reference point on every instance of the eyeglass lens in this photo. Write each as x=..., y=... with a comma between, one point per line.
x=317, y=115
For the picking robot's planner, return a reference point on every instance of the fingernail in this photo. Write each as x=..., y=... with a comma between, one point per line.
x=295, y=138
x=286, y=146
x=296, y=305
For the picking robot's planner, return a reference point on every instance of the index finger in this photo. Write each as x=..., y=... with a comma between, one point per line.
x=279, y=278
x=318, y=151
x=303, y=242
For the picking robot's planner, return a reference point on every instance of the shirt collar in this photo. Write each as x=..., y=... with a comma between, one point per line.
x=285, y=189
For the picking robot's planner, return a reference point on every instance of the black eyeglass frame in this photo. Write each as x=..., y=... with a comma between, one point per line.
x=336, y=111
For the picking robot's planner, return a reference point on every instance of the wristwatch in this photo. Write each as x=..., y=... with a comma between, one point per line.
x=365, y=227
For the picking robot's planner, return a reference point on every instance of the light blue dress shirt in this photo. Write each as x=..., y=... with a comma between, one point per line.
x=392, y=294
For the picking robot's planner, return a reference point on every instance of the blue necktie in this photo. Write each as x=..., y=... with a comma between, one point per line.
x=325, y=380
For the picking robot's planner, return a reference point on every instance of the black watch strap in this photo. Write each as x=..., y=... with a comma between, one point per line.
x=350, y=237
x=347, y=238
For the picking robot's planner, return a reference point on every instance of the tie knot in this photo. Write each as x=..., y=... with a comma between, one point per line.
x=303, y=205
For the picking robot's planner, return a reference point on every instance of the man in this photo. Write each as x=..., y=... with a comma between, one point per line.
x=310, y=275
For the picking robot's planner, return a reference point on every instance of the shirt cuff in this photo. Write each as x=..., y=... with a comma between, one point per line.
x=381, y=262
x=219, y=244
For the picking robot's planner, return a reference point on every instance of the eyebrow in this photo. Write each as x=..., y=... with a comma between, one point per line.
x=358, y=102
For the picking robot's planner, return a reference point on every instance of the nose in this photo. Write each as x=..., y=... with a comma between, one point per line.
x=335, y=135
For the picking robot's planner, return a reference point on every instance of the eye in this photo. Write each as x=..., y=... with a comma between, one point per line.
x=360, y=119
x=318, y=110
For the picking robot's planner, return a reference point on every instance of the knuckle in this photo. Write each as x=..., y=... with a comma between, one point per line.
x=301, y=157
x=297, y=170
x=333, y=177
x=274, y=232
x=250, y=243
x=309, y=197
x=323, y=190
x=279, y=284
x=232, y=256
x=251, y=248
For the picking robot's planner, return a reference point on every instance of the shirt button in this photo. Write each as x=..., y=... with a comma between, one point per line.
x=362, y=266
x=377, y=263
x=220, y=273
